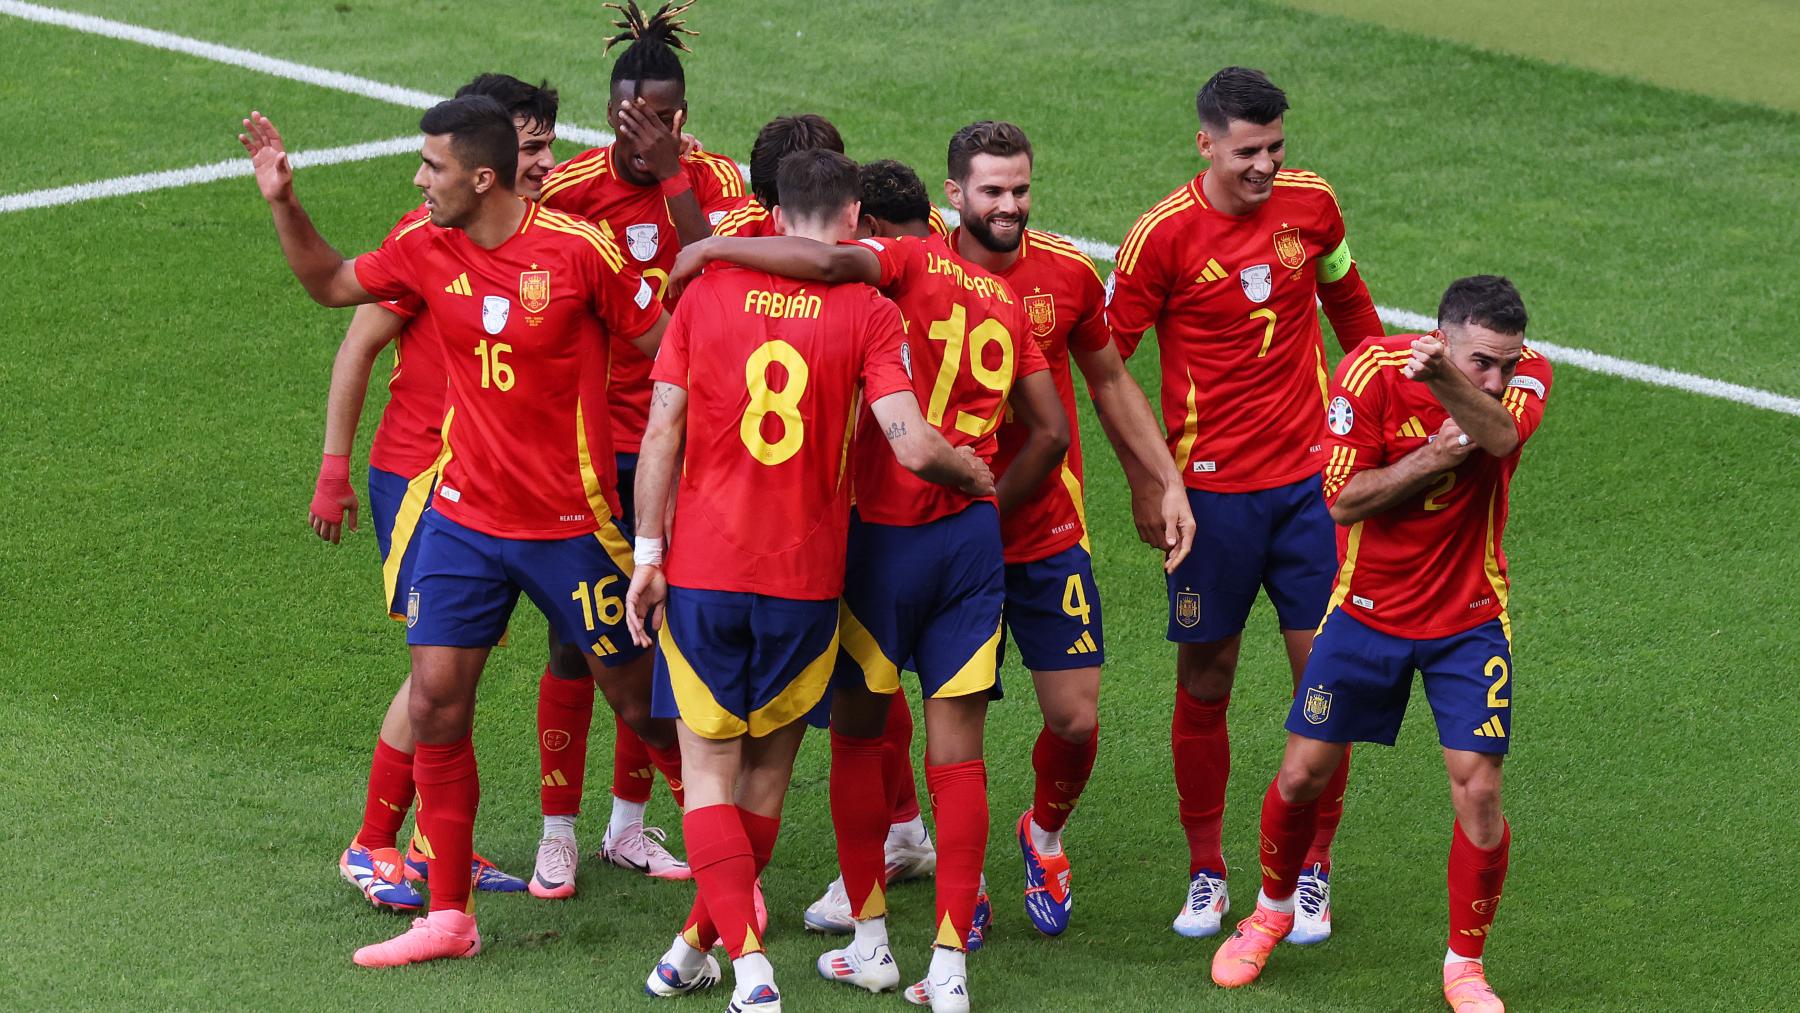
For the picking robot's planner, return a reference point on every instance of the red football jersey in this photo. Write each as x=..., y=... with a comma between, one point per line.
x=1234, y=303
x=1432, y=566
x=966, y=343
x=523, y=330
x=637, y=218
x=410, y=433
x=748, y=219
x=1065, y=306
x=772, y=368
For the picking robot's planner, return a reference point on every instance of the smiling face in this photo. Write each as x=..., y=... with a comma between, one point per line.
x=535, y=157
x=665, y=100
x=994, y=200
x=1243, y=158
x=1487, y=357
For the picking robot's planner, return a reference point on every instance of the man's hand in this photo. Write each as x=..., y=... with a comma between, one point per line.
x=645, y=603
x=689, y=262
x=274, y=176
x=1428, y=361
x=980, y=480
x=332, y=496
x=659, y=146
x=1451, y=446
x=1165, y=522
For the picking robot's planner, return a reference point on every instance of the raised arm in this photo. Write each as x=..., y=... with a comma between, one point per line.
x=788, y=256
x=1159, y=505
x=371, y=330
x=1377, y=490
x=327, y=276
x=922, y=450
x=1035, y=404
x=662, y=148
x=1485, y=420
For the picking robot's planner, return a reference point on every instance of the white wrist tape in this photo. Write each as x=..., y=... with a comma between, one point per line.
x=647, y=551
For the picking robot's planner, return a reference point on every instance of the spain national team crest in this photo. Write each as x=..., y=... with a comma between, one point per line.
x=412, y=609
x=1288, y=248
x=642, y=240
x=1187, y=609
x=1257, y=282
x=1317, y=707
x=534, y=290
x=1041, y=309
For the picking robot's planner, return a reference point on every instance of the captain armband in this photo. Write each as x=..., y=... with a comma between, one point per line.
x=1334, y=265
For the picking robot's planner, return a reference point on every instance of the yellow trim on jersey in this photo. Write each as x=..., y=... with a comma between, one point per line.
x=1370, y=363
x=978, y=673
x=734, y=222
x=556, y=182
x=934, y=220
x=1304, y=178
x=611, y=538
x=1052, y=243
x=1490, y=564
x=693, y=699
x=1073, y=485
x=1346, y=570
x=422, y=221
x=1133, y=245
x=1337, y=470
x=1322, y=374
x=556, y=221
x=879, y=674
x=406, y=522
x=800, y=695
x=731, y=181
x=1190, y=429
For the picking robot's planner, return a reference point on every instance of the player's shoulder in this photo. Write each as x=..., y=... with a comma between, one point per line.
x=934, y=220
x=560, y=228
x=1376, y=360
x=1061, y=254
x=1305, y=189
x=1164, y=218
x=744, y=219
x=415, y=221
x=1533, y=376
x=590, y=165
x=716, y=169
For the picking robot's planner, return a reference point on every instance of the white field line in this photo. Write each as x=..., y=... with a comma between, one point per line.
x=411, y=98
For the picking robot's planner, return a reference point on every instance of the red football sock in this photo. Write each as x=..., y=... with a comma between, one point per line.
x=1062, y=769
x=902, y=787
x=449, y=792
x=719, y=852
x=699, y=930
x=1286, y=829
x=1331, y=810
x=669, y=762
x=1202, y=749
x=565, y=710
x=633, y=777
x=390, y=796
x=959, y=805
x=1476, y=877
x=859, y=816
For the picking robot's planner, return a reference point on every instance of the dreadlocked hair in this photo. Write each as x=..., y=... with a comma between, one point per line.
x=892, y=192
x=654, y=40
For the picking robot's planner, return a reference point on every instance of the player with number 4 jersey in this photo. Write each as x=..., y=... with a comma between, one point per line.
x=1228, y=269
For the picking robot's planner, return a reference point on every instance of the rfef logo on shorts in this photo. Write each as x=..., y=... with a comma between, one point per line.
x=1187, y=608
x=1317, y=707
x=412, y=609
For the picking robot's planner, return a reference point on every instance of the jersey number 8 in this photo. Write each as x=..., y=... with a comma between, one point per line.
x=784, y=404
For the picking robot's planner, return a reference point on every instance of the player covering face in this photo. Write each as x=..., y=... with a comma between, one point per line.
x=523, y=299
x=403, y=472
x=746, y=612
x=1425, y=436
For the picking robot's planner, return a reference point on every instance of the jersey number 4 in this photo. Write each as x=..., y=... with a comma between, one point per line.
x=955, y=334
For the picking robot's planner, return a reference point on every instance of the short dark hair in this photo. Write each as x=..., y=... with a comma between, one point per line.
x=1239, y=93
x=654, y=39
x=816, y=184
x=481, y=132
x=781, y=137
x=533, y=103
x=1486, y=300
x=892, y=192
x=986, y=137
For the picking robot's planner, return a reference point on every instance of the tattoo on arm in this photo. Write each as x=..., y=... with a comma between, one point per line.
x=896, y=430
x=660, y=396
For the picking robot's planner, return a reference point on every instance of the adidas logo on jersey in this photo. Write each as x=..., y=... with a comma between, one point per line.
x=460, y=286
x=1491, y=729
x=1413, y=428
x=1084, y=645
x=1213, y=272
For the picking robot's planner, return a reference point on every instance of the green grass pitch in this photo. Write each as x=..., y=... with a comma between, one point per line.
x=190, y=682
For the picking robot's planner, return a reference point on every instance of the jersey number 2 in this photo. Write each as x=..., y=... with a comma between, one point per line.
x=784, y=404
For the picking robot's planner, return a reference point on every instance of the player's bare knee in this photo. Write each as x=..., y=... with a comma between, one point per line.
x=1206, y=671
x=1072, y=725
x=859, y=713
x=568, y=661
x=1301, y=782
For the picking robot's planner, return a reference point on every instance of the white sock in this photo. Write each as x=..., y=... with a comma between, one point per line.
x=1285, y=904
x=559, y=826
x=910, y=832
x=1453, y=957
x=1047, y=842
x=751, y=970
x=624, y=814
x=685, y=958
x=870, y=933
x=946, y=962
